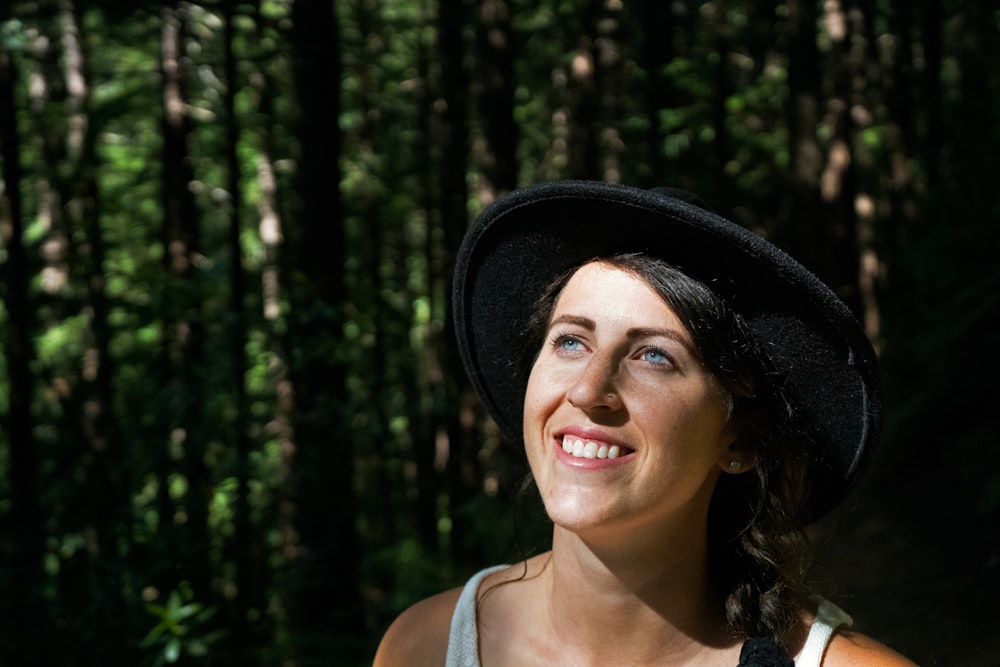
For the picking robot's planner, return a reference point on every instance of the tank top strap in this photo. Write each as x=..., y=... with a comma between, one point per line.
x=829, y=617
x=463, y=640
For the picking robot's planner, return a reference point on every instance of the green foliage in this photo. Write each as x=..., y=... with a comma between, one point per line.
x=179, y=631
x=169, y=419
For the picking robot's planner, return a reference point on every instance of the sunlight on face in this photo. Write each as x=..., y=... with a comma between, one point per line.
x=618, y=374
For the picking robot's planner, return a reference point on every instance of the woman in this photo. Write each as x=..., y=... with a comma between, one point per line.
x=689, y=398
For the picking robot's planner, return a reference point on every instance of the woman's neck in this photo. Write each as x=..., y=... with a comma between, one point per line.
x=648, y=597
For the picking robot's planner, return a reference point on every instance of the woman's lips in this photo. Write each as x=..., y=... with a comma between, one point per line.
x=581, y=448
x=589, y=449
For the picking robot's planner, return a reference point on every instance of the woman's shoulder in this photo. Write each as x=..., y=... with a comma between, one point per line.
x=848, y=649
x=419, y=636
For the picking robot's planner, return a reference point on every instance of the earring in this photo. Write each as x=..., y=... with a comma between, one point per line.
x=735, y=465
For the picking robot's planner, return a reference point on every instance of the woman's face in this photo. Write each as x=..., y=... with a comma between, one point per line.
x=623, y=425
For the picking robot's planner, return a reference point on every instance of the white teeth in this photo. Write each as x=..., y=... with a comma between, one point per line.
x=589, y=450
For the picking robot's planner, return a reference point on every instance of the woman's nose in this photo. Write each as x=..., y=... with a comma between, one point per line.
x=595, y=388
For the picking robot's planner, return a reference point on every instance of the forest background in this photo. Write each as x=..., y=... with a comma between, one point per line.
x=234, y=428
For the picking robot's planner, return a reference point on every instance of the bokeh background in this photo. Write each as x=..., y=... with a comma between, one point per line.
x=235, y=431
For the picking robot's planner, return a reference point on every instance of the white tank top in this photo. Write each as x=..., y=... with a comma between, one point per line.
x=463, y=642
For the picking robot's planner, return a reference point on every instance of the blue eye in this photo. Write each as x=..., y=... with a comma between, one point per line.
x=655, y=356
x=567, y=343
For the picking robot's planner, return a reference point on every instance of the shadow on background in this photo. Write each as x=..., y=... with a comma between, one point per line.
x=914, y=566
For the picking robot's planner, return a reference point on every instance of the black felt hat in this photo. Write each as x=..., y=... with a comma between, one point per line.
x=524, y=240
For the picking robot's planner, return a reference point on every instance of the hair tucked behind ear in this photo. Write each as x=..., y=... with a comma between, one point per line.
x=758, y=548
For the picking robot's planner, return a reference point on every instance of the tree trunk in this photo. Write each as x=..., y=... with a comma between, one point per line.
x=326, y=592
x=583, y=101
x=609, y=65
x=497, y=160
x=900, y=83
x=658, y=50
x=977, y=58
x=935, y=134
x=280, y=425
x=806, y=154
x=249, y=598
x=838, y=259
x=183, y=326
x=107, y=493
x=463, y=475
x=382, y=361
x=22, y=547
x=723, y=88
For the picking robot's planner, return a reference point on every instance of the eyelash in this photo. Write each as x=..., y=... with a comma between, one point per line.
x=667, y=359
x=559, y=340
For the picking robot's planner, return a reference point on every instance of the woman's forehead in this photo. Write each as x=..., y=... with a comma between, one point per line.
x=600, y=289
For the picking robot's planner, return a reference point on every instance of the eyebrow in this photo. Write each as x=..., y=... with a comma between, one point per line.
x=633, y=333
x=578, y=320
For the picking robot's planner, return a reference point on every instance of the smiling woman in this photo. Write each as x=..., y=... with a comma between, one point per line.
x=618, y=371
x=689, y=398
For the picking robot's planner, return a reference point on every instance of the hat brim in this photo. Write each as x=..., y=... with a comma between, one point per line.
x=523, y=241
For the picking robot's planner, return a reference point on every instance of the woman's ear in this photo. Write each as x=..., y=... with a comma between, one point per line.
x=739, y=456
x=736, y=462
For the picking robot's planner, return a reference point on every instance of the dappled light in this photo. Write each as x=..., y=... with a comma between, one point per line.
x=235, y=427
